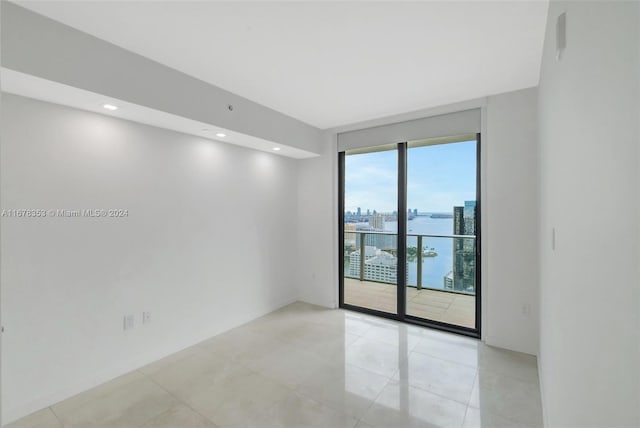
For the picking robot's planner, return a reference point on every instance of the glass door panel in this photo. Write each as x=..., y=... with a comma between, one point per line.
x=370, y=246
x=441, y=230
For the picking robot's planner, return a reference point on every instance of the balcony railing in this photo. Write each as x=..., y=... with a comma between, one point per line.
x=454, y=269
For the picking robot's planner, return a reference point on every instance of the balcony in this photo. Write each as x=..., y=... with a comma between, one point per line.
x=450, y=308
x=440, y=275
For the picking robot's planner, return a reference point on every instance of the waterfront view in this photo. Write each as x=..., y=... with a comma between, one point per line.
x=437, y=253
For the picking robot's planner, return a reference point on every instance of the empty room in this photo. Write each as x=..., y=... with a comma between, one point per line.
x=329, y=214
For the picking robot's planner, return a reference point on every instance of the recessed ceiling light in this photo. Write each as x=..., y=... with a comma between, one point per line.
x=221, y=135
x=277, y=149
x=110, y=107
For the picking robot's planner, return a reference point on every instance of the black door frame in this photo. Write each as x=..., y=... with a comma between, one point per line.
x=401, y=314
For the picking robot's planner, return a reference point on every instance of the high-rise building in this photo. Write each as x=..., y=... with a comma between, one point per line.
x=462, y=276
x=458, y=220
x=386, y=242
x=469, y=217
x=376, y=222
x=379, y=265
x=349, y=234
x=448, y=281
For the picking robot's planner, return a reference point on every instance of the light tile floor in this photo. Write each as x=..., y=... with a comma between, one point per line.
x=305, y=366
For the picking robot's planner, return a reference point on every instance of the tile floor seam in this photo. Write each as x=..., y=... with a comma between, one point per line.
x=437, y=393
x=374, y=401
x=101, y=395
x=273, y=378
x=476, y=367
x=421, y=389
x=153, y=417
x=509, y=418
x=445, y=359
x=473, y=386
x=329, y=405
x=179, y=400
x=368, y=370
x=464, y=419
x=382, y=342
x=275, y=403
x=519, y=379
x=56, y=416
x=512, y=419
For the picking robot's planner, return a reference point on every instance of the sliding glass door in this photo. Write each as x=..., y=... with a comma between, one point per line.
x=414, y=208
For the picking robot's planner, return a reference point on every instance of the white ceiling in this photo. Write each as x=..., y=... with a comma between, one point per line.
x=14, y=82
x=329, y=63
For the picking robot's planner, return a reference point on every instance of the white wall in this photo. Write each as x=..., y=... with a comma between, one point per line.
x=589, y=302
x=317, y=274
x=509, y=262
x=511, y=210
x=208, y=245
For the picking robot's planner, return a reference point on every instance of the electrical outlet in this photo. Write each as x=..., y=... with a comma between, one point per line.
x=146, y=317
x=526, y=310
x=129, y=322
x=561, y=35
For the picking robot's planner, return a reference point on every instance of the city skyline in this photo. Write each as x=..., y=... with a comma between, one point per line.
x=371, y=212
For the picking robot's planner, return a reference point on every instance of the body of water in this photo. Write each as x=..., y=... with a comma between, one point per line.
x=433, y=268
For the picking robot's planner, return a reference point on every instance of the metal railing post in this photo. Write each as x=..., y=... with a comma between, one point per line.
x=363, y=255
x=419, y=255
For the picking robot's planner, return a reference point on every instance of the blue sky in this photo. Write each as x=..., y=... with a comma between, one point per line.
x=439, y=177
